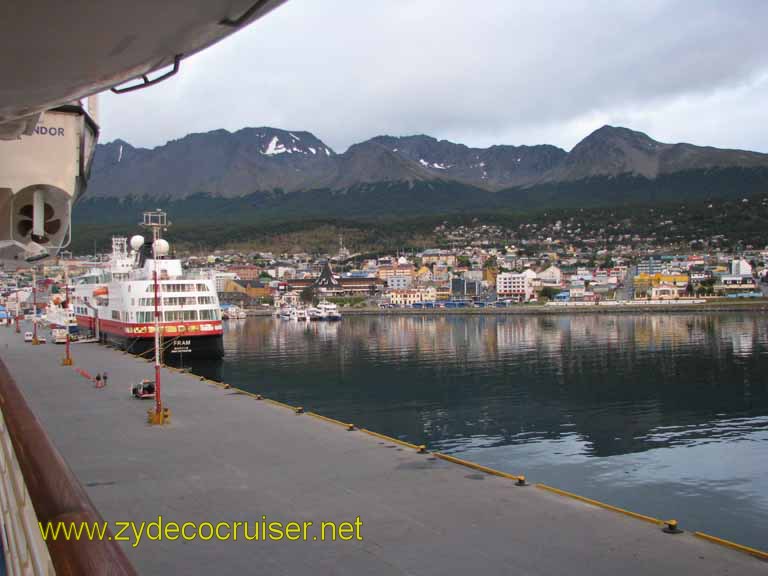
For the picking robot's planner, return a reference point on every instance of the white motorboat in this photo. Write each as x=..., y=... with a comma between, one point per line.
x=232, y=312
x=329, y=311
x=300, y=314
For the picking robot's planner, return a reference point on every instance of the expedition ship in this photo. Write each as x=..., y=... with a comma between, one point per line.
x=117, y=304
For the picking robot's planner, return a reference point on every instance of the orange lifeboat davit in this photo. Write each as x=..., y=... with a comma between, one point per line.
x=100, y=291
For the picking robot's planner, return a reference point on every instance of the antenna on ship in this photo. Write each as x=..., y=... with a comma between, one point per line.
x=157, y=222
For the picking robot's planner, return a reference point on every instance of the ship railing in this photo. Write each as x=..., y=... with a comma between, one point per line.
x=23, y=545
x=37, y=488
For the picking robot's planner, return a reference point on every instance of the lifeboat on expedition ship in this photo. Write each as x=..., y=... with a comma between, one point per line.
x=101, y=291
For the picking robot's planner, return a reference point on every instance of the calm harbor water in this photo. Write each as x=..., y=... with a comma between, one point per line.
x=663, y=414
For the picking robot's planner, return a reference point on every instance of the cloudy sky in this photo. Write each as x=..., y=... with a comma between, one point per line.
x=480, y=72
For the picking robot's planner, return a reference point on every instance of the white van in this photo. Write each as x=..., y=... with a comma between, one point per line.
x=28, y=337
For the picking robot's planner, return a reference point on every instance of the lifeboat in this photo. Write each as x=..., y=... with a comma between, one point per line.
x=100, y=291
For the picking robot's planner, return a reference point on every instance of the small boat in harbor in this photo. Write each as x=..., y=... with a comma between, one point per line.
x=299, y=314
x=328, y=311
x=232, y=312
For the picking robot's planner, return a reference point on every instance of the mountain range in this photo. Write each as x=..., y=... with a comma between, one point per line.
x=282, y=173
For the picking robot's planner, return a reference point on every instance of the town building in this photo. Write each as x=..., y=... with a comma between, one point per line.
x=516, y=285
x=552, y=276
x=387, y=271
x=253, y=288
x=666, y=291
x=424, y=274
x=435, y=256
x=399, y=282
x=730, y=284
x=330, y=284
x=413, y=296
x=649, y=266
x=245, y=272
x=578, y=289
x=740, y=267
x=221, y=279
x=643, y=283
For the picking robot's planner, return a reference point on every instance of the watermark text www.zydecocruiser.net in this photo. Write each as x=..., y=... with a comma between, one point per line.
x=262, y=530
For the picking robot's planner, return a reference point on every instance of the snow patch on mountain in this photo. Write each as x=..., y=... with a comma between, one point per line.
x=274, y=147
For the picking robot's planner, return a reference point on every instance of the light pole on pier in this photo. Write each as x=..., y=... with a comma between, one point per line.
x=34, y=307
x=18, y=309
x=67, y=360
x=156, y=221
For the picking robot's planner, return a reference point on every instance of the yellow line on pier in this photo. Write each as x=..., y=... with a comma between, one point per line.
x=281, y=404
x=251, y=394
x=389, y=439
x=480, y=467
x=650, y=519
x=492, y=471
x=740, y=547
x=329, y=420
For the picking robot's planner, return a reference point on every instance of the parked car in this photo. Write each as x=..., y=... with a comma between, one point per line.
x=28, y=337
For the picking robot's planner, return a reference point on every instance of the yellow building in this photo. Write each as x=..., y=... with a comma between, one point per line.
x=438, y=257
x=489, y=275
x=424, y=274
x=644, y=283
x=250, y=288
x=386, y=272
x=410, y=297
x=443, y=293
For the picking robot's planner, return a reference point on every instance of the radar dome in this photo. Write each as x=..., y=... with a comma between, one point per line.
x=161, y=247
x=137, y=241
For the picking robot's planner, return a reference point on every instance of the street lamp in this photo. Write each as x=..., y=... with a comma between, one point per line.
x=67, y=360
x=156, y=221
x=159, y=248
x=34, y=307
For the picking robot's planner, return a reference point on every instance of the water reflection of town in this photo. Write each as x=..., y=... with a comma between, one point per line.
x=620, y=383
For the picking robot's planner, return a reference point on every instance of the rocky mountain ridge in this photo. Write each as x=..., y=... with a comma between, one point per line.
x=226, y=164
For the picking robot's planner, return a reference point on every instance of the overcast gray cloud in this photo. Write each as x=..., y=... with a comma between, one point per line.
x=479, y=72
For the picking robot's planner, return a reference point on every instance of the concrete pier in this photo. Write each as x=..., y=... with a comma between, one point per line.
x=227, y=456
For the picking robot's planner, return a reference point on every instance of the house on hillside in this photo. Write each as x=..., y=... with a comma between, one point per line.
x=552, y=276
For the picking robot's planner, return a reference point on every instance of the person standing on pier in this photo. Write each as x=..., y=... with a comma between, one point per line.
x=98, y=380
